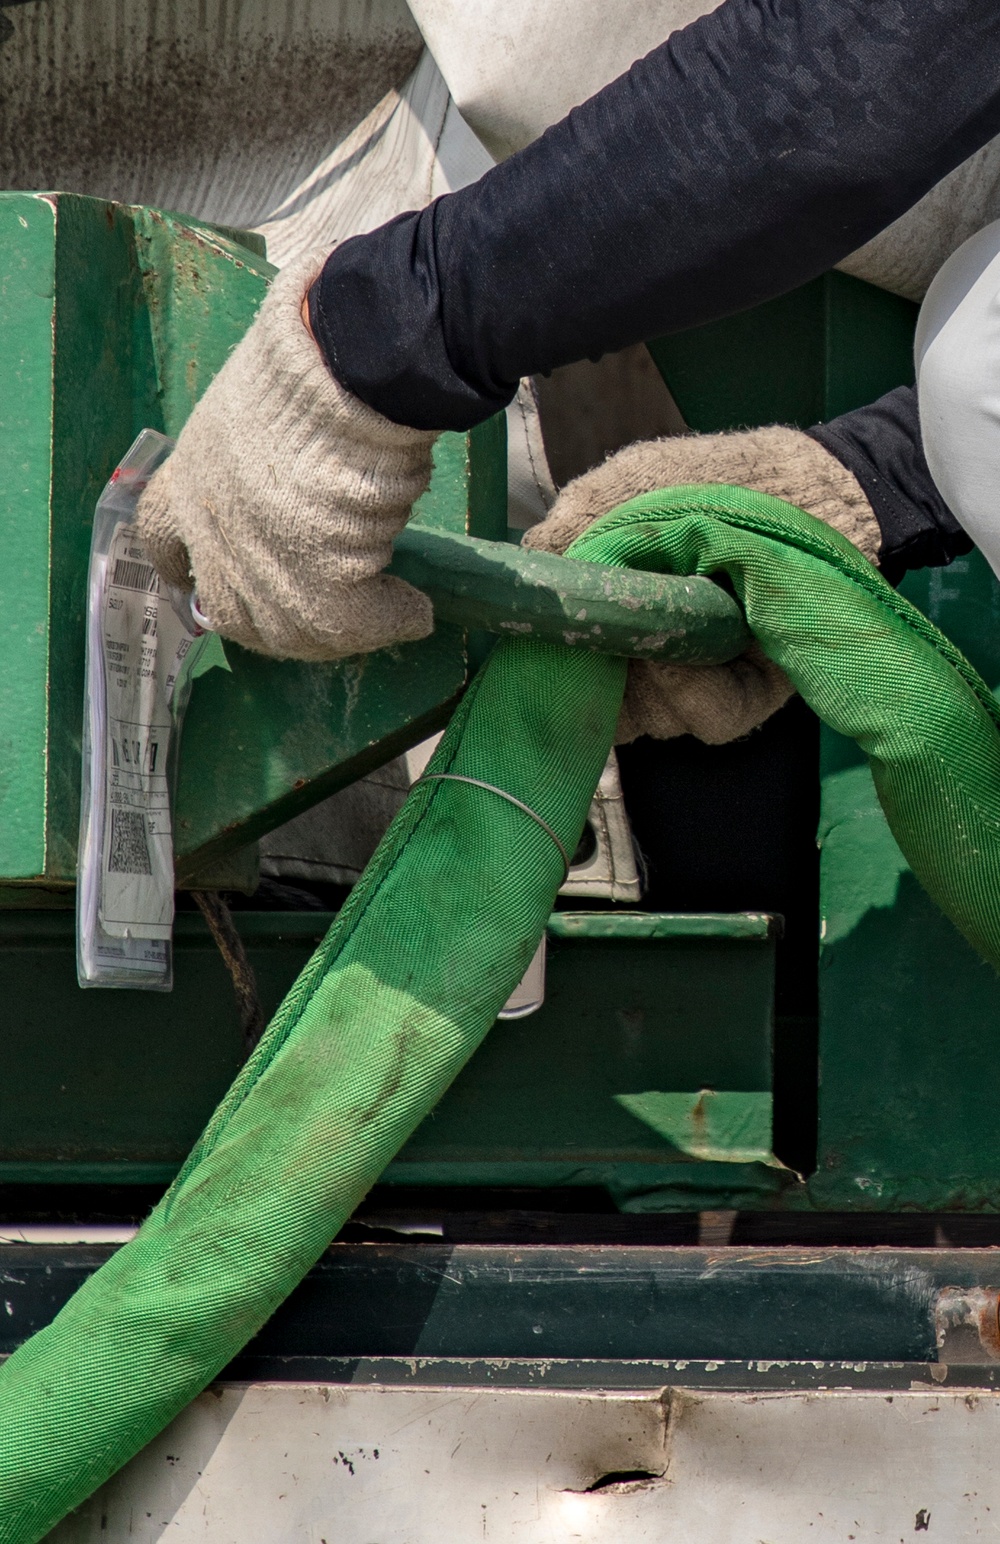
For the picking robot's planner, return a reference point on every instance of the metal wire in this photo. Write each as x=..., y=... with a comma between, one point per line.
x=476, y=782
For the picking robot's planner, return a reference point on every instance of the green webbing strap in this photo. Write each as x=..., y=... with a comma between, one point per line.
x=434, y=938
x=869, y=663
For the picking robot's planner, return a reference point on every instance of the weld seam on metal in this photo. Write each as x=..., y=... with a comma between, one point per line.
x=477, y=782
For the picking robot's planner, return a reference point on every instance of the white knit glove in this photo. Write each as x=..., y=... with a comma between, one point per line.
x=283, y=495
x=715, y=703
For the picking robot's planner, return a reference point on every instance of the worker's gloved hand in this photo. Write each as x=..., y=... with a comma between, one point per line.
x=283, y=495
x=716, y=703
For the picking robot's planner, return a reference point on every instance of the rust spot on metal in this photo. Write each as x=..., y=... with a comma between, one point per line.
x=699, y=1120
x=990, y=1328
x=967, y=1321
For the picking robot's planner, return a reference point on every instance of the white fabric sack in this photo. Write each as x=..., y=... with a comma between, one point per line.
x=905, y=257
x=516, y=66
x=412, y=146
x=211, y=107
x=958, y=386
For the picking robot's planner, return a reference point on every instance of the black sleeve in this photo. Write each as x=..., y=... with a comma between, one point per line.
x=881, y=445
x=751, y=151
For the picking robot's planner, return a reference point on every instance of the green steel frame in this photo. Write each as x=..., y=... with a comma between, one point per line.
x=114, y=319
x=718, y=1311
x=649, y=1069
x=909, y=1085
x=607, y=1084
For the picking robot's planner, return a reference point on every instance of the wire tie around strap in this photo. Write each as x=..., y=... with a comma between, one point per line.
x=477, y=782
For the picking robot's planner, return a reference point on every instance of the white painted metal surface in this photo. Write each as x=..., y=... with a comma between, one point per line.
x=273, y=1464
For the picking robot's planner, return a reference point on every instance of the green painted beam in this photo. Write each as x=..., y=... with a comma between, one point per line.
x=647, y=1070
x=103, y=393
x=557, y=1302
x=201, y=289
x=802, y=358
x=27, y=289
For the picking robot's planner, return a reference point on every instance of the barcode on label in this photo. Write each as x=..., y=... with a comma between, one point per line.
x=134, y=755
x=129, y=847
x=129, y=575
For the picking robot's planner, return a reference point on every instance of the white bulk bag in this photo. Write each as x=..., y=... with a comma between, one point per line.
x=516, y=66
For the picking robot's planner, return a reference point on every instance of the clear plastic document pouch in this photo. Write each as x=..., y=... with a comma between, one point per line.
x=141, y=648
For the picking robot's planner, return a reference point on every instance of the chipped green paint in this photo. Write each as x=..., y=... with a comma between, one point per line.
x=201, y=291
x=516, y=591
x=726, y=1126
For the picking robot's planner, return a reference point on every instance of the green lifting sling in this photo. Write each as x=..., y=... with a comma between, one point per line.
x=435, y=936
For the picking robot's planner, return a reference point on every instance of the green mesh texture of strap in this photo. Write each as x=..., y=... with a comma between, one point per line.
x=434, y=938
x=431, y=943
x=866, y=660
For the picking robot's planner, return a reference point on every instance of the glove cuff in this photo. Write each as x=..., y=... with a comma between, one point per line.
x=282, y=355
x=783, y=462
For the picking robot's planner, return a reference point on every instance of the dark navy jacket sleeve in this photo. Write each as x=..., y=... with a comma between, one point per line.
x=881, y=445
x=749, y=152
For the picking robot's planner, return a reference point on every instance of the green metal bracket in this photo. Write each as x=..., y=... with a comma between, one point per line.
x=116, y=318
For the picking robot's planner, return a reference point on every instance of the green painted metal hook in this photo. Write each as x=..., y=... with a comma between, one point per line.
x=515, y=591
